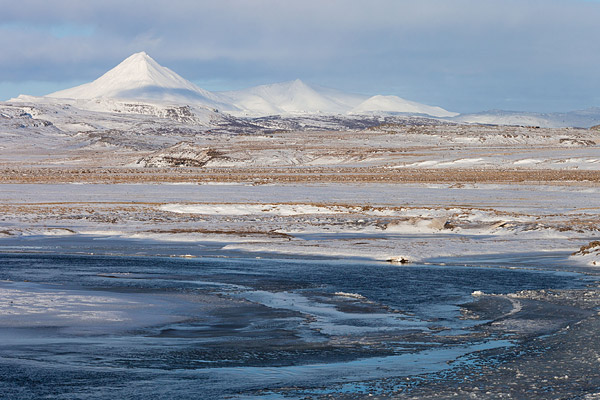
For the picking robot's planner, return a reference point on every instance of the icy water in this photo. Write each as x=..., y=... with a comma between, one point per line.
x=75, y=327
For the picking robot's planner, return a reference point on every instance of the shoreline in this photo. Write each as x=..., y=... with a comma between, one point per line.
x=375, y=221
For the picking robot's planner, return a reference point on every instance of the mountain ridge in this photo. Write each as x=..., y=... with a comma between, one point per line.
x=293, y=97
x=575, y=119
x=140, y=77
x=392, y=104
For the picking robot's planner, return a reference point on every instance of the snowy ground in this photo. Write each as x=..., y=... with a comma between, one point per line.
x=123, y=184
x=121, y=134
x=374, y=221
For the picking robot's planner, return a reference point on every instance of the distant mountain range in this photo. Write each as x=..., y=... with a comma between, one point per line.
x=139, y=78
x=579, y=119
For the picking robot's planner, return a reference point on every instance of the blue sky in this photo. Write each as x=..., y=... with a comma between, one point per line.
x=463, y=55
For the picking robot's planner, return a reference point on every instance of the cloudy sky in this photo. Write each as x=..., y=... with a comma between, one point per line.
x=463, y=55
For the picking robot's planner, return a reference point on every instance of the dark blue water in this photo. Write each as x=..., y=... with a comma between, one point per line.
x=237, y=326
x=407, y=286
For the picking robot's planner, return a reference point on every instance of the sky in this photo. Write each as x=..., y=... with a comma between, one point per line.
x=462, y=55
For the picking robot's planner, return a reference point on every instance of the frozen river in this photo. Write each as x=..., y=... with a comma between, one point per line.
x=87, y=326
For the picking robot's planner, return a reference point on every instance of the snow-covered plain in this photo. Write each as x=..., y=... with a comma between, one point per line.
x=376, y=221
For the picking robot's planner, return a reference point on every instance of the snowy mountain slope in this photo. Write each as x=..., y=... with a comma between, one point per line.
x=138, y=85
x=139, y=77
x=297, y=97
x=293, y=97
x=198, y=115
x=394, y=104
x=580, y=119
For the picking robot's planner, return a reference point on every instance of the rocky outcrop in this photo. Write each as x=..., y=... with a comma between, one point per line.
x=589, y=253
x=182, y=154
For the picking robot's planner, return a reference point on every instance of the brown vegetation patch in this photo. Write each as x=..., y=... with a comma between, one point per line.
x=295, y=175
x=588, y=248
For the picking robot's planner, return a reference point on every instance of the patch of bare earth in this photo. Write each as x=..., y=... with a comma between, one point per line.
x=294, y=175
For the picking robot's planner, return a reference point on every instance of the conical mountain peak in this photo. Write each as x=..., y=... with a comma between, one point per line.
x=140, y=63
x=140, y=60
x=140, y=69
x=298, y=82
x=138, y=76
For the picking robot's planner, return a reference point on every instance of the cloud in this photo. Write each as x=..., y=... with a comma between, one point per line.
x=460, y=54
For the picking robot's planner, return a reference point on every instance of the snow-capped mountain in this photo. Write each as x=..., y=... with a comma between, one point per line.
x=139, y=84
x=139, y=77
x=396, y=105
x=297, y=97
x=293, y=97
